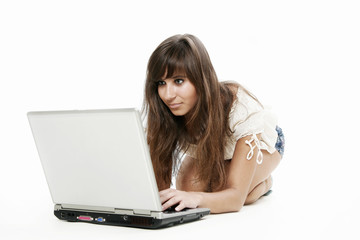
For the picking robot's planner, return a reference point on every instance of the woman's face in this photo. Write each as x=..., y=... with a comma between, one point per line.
x=178, y=94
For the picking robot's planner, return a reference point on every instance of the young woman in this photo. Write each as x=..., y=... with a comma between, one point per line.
x=231, y=143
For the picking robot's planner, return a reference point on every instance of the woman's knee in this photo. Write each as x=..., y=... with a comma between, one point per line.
x=258, y=191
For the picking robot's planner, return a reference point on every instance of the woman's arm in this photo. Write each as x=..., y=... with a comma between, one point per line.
x=232, y=198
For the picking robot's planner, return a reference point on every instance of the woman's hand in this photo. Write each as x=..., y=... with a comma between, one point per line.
x=170, y=197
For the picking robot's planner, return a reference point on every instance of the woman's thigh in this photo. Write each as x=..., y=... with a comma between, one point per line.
x=187, y=178
x=264, y=170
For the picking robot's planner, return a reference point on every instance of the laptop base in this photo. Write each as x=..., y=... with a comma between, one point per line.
x=125, y=220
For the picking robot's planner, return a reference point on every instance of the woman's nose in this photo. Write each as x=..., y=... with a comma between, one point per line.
x=170, y=92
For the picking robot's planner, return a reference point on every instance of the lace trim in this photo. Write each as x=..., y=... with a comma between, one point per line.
x=259, y=157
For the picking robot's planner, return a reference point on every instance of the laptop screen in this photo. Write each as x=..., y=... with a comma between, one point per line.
x=96, y=158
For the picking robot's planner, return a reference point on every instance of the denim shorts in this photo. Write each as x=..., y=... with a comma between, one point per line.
x=280, y=143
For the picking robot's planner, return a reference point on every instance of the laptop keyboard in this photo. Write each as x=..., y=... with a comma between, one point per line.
x=172, y=210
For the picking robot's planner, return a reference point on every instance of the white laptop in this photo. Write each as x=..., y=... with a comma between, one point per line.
x=98, y=168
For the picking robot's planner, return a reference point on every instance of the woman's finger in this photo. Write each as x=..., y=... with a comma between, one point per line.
x=170, y=202
x=166, y=194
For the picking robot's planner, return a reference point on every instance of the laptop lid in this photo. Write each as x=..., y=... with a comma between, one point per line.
x=96, y=158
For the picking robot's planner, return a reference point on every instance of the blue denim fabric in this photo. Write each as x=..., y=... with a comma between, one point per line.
x=280, y=143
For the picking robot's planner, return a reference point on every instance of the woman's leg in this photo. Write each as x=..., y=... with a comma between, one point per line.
x=259, y=191
x=187, y=177
x=262, y=181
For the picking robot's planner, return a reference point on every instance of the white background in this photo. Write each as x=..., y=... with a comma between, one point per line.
x=301, y=57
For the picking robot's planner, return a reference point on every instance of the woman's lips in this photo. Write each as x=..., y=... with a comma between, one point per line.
x=174, y=105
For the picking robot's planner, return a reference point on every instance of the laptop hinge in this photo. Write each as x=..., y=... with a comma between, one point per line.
x=142, y=212
x=124, y=211
x=116, y=210
x=83, y=208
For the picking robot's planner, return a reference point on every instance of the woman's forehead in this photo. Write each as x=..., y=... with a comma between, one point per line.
x=175, y=74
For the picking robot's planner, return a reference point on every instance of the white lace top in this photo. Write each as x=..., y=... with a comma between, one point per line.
x=248, y=117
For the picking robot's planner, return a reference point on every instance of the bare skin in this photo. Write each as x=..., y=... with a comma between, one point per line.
x=247, y=181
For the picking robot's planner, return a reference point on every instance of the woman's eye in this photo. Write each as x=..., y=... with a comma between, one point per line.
x=179, y=81
x=160, y=83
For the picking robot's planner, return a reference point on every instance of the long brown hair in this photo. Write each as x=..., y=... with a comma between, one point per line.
x=206, y=124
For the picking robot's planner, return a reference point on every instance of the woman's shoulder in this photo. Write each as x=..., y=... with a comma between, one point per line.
x=240, y=93
x=245, y=102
